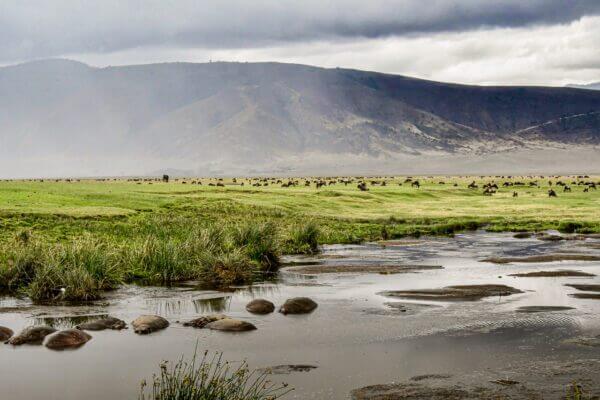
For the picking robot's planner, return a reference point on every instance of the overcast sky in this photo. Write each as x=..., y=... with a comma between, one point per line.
x=550, y=42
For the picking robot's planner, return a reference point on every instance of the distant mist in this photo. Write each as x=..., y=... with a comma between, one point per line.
x=64, y=118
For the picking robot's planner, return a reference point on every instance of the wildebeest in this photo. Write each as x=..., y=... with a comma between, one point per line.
x=551, y=193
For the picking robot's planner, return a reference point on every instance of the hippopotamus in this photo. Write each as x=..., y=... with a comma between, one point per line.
x=103, y=323
x=33, y=334
x=5, y=333
x=149, y=323
x=69, y=338
x=298, y=305
x=231, y=325
x=203, y=321
x=260, y=306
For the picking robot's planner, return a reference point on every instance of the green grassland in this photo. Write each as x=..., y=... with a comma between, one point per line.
x=121, y=209
x=71, y=240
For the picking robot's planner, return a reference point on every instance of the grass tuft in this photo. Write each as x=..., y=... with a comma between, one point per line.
x=210, y=378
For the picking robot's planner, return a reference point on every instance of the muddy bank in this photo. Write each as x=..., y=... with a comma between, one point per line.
x=540, y=309
x=589, y=296
x=454, y=293
x=542, y=258
x=550, y=274
x=540, y=380
x=585, y=288
x=361, y=269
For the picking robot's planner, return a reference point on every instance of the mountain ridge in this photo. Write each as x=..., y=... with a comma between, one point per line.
x=246, y=116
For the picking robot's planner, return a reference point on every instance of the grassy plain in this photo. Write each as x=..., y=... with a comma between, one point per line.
x=124, y=210
x=70, y=240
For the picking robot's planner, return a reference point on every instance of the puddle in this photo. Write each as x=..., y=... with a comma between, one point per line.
x=355, y=338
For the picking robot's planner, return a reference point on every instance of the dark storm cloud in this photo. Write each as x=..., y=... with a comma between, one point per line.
x=42, y=28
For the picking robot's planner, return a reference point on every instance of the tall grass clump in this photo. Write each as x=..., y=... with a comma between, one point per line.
x=260, y=242
x=232, y=267
x=158, y=261
x=75, y=271
x=210, y=378
x=303, y=239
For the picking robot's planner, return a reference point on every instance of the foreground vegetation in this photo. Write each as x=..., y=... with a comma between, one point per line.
x=70, y=240
x=210, y=378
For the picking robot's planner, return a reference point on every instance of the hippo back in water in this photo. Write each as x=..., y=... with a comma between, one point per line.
x=5, y=333
x=33, y=334
x=260, y=306
x=298, y=305
x=149, y=323
x=103, y=323
x=67, y=339
x=231, y=325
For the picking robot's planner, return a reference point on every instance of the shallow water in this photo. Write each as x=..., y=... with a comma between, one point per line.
x=353, y=337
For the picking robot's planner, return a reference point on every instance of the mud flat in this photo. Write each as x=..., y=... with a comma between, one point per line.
x=542, y=258
x=361, y=269
x=551, y=380
x=541, y=309
x=585, y=288
x=455, y=293
x=553, y=274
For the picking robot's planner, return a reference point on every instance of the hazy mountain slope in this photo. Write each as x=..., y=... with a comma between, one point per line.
x=59, y=115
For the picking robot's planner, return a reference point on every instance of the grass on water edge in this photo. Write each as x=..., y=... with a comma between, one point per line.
x=81, y=269
x=74, y=240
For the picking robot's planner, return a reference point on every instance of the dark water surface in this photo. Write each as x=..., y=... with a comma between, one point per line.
x=355, y=337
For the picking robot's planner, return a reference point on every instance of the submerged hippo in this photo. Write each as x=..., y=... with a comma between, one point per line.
x=231, y=325
x=298, y=305
x=203, y=321
x=5, y=333
x=33, y=334
x=260, y=306
x=103, y=323
x=149, y=323
x=69, y=338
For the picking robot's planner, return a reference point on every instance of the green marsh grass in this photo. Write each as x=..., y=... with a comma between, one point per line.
x=210, y=378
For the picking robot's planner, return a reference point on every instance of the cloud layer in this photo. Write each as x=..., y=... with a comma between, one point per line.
x=476, y=41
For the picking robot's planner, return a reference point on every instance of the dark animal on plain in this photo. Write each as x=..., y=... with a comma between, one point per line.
x=165, y=178
x=551, y=193
x=567, y=189
x=415, y=184
x=220, y=184
x=472, y=185
x=488, y=191
x=587, y=189
x=362, y=186
x=515, y=194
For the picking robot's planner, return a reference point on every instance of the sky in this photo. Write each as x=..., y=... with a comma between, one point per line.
x=542, y=42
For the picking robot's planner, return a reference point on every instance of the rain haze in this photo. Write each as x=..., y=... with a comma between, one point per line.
x=84, y=82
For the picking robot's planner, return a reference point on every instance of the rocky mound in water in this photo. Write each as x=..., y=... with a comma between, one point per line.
x=148, y=324
x=361, y=269
x=32, y=334
x=102, y=324
x=231, y=325
x=205, y=320
x=455, y=293
x=67, y=339
x=542, y=258
x=260, y=306
x=551, y=274
x=5, y=333
x=298, y=305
